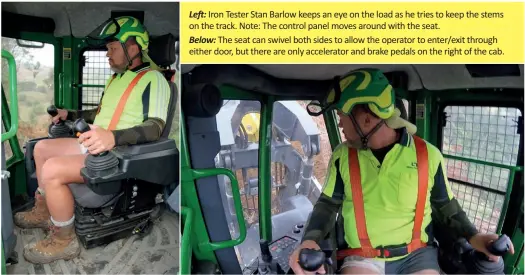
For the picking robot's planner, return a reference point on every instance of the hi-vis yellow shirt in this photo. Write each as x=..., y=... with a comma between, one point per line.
x=389, y=192
x=148, y=99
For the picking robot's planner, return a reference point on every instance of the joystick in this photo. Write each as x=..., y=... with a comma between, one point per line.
x=501, y=246
x=311, y=259
x=60, y=129
x=478, y=263
x=80, y=126
x=99, y=165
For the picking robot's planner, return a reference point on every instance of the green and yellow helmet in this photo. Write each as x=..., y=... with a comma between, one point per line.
x=363, y=86
x=120, y=29
x=124, y=27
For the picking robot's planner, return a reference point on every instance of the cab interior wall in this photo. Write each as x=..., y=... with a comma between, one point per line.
x=314, y=80
x=159, y=17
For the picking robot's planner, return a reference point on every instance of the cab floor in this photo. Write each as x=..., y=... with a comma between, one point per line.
x=155, y=253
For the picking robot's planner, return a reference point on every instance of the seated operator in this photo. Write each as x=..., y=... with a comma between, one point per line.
x=387, y=182
x=58, y=161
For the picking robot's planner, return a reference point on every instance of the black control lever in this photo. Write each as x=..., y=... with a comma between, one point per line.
x=53, y=112
x=267, y=264
x=500, y=246
x=80, y=126
x=266, y=256
x=311, y=259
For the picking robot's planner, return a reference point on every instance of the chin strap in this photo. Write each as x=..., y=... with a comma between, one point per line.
x=130, y=60
x=364, y=139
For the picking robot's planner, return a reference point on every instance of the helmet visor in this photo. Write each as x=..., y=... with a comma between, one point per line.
x=317, y=108
x=104, y=33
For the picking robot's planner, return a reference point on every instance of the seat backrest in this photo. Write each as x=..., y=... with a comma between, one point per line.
x=171, y=109
x=162, y=50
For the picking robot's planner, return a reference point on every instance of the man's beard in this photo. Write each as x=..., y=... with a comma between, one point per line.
x=118, y=69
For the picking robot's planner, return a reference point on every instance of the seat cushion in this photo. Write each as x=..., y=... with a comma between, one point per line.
x=87, y=198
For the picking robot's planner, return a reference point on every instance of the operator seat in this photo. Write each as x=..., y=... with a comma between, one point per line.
x=126, y=201
x=110, y=208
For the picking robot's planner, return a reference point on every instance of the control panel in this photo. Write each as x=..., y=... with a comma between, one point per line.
x=281, y=250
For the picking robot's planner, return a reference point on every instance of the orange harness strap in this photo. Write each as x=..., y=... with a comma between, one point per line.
x=422, y=178
x=366, y=250
x=123, y=99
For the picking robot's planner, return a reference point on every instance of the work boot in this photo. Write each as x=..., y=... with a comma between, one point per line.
x=37, y=217
x=60, y=244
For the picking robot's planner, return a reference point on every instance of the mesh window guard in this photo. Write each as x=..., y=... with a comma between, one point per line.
x=95, y=72
x=486, y=134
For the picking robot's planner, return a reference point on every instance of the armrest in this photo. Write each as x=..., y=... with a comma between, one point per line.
x=140, y=149
x=156, y=162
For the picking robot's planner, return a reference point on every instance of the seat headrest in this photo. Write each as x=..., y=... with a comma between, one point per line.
x=401, y=106
x=162, y=50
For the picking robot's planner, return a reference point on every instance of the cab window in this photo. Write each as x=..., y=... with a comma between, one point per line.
x=35, y=66
x=480, y=133
x=96, y=71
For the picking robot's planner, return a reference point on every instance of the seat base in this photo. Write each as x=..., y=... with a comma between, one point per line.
x=94, y=228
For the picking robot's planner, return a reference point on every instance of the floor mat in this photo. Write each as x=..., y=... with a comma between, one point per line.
x=156, y=253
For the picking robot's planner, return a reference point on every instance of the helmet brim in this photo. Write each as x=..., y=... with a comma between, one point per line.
x=317, y=108
x=104, y=33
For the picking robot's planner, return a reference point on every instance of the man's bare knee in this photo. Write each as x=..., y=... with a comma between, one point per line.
x=62, y=170
x=41, y=149
x=51, y=171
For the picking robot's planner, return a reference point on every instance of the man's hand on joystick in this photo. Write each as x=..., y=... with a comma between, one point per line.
x=97, y=140
x=57, y=115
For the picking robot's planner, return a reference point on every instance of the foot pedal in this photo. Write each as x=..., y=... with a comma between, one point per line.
x=143, y=227
x=13, y=259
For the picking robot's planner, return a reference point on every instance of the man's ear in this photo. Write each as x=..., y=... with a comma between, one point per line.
x=133, y=50
x=137, y=49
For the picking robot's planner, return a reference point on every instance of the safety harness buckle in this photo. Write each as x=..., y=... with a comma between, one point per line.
x=393, y=251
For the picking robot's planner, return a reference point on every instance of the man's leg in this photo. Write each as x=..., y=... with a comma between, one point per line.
x=38, y=217
x=57, y=173
x=360, y=265
x=421, y=261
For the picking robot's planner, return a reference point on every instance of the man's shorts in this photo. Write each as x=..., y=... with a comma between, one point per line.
x=423, y=258
x=83, y=149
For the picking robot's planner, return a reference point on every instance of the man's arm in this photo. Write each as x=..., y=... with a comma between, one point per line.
x=155, y=102
x=150, y=130
x=447, y=209
x=327, y=206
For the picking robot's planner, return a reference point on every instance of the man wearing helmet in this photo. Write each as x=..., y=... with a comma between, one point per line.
x=387, y=182
x=58, y=161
